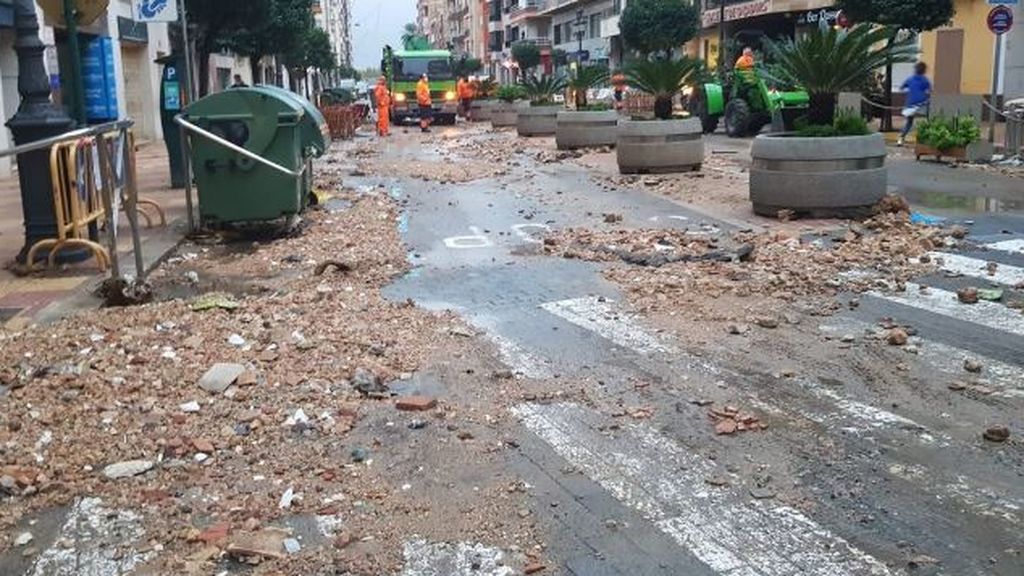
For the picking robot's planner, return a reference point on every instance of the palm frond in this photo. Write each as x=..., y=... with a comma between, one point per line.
x=830, y=61
x=662, y=78
x=542, y=89
x=588, y=77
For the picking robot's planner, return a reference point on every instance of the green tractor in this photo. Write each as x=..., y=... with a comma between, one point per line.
x=750, y=106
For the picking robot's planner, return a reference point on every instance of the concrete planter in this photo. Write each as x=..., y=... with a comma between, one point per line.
x=586, y=129
x=538, y=120
x=659, y=146
x=481, y=110
x=821, y=177
x=505, y=114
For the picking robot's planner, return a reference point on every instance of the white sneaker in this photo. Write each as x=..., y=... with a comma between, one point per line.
x=900, y=142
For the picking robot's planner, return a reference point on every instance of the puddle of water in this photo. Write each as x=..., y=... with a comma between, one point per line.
x=956, y=203
x=336, y=205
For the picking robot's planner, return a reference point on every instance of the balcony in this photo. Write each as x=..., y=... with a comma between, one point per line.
x=542, y=43
x=457, y=9
x=610, y=26
x=526, y=9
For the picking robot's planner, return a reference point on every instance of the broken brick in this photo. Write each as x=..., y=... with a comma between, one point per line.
x=416, y=403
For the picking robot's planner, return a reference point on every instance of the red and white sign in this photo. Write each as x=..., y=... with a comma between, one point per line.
x=737, y=12
x=1000, y=20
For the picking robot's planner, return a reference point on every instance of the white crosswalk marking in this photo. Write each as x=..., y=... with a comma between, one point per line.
x=988, y=314
x=975, y=268
x=666, y=484
x=424, y=558
x=598, y=315
x=1006, y=380
x=1016, y=245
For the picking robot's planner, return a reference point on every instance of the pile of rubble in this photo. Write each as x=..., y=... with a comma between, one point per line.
x=731, y=420
x=237, y=403
x=883, y=252
x=641, y=247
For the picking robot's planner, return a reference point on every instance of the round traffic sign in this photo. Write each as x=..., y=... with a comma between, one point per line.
x=1000, y=20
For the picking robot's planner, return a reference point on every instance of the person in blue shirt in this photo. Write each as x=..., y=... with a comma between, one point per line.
x=919, y=92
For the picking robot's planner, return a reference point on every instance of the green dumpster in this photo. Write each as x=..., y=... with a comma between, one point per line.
x=270, y=122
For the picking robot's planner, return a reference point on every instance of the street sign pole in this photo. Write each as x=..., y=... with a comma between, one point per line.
x=1000, y=21
x=75, y=56
x=992, y=116
x=189, y=68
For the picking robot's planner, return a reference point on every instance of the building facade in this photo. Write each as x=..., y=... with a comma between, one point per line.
x=434, y=22
x=961, y=55
x=132, y=76
x=564, y=30
x=335, y=17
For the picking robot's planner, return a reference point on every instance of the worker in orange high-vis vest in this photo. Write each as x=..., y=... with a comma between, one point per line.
x=425, y=102
x=746, y=61
x=465, y=92
x=383, y=98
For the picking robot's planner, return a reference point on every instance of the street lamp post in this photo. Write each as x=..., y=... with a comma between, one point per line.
x=37, y=118
x=581, y=24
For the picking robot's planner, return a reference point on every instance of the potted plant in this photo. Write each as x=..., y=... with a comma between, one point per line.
x=506, y=111
x=588, y=125
x=830, y=167
x=483, y=100
x=956, y=138
x=541, y=117
x=662, y=143
x=657, y=141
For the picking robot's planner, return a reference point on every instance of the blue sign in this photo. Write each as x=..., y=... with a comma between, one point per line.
x=1000, y=20
x=155, y=10
x=99, y=80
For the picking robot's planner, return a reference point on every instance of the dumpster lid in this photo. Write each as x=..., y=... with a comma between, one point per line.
x=262, y=102
x=313, y=123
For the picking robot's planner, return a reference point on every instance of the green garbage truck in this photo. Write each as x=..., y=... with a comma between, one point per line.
x=403, y=69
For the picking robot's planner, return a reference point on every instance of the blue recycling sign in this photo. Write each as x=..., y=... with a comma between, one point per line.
x=155, y=10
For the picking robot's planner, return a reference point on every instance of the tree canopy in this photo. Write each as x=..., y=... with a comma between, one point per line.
x=413, y=39
x=658, y=26
x=282, y=31
x=527, y=54
x=916, y=15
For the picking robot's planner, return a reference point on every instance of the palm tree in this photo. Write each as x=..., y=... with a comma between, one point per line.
x=541, y=90
x=663, y=79
x=586, y=78
x=410, y=35
x=828, y=61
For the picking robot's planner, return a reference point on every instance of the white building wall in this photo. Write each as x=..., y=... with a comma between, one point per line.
x=1013, y=70
x=599, y=48
x=8, y=94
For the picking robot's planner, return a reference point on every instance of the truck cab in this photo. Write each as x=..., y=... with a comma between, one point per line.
x=403, y=69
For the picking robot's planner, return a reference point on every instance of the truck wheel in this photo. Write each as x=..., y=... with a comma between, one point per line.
x=737, y=118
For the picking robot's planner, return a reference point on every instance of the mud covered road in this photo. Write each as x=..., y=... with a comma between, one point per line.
x=631, y=376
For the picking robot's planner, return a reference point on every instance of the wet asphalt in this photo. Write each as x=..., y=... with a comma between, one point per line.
x=905, y=484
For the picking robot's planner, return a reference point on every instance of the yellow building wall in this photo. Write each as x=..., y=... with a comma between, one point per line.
x=979, y=46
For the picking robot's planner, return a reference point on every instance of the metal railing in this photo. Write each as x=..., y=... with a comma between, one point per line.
x=93, y=173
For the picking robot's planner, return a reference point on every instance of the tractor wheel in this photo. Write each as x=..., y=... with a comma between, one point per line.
x=697, y=106
x=737, y=118
x=757, y=123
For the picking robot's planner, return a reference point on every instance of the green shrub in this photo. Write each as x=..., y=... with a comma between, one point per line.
x=541, y=90
x=510, y=93
x=946, y=133
x=846, y=123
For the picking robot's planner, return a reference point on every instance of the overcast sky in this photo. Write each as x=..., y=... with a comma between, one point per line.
x=376, y=23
